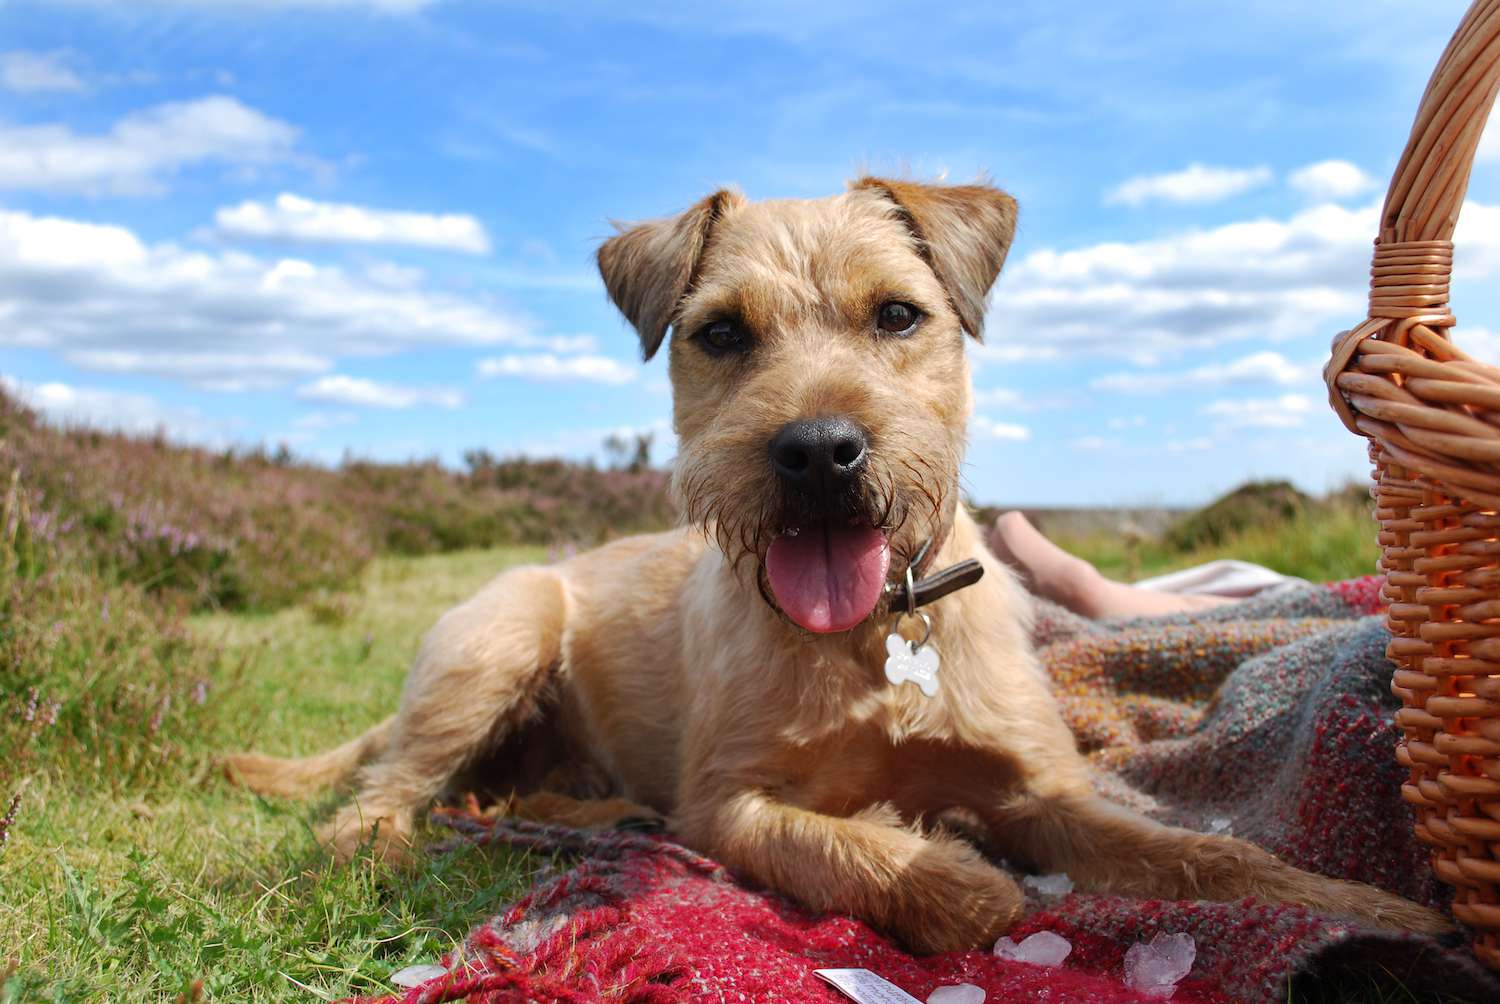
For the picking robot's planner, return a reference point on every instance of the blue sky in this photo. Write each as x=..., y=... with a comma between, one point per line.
x=366, y=225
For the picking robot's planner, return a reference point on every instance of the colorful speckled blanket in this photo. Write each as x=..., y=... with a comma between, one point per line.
x=1271, y=717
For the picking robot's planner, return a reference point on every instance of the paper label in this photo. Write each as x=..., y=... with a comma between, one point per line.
x=865, y=987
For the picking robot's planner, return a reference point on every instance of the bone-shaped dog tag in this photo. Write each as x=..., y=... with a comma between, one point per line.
x=909, y=660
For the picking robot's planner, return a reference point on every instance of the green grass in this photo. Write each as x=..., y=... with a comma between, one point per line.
x=1321, y=543
x=132, y=892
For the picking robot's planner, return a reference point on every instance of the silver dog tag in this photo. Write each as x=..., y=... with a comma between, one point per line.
x=913, y=661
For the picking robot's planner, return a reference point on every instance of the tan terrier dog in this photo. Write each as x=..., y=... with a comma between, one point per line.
x=740, y=675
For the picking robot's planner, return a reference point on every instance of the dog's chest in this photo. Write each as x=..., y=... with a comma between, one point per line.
x=862, y=766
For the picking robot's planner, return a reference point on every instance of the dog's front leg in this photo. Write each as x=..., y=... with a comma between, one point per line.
x=932, y=892
x=1106, y=848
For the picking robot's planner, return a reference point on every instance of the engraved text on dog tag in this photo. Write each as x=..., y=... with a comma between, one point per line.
x=914, y=661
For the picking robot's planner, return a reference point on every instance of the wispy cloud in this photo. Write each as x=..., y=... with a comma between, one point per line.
x=1285, y=412
x=315, y=420
x=549, y=367
x=1331, y=179
x=35, y=72
x=221, y=371
x=294, y=218
x=1196, y=184
x=341, y=389
x=1267, y=278
x=999, y=397
x=1272, y=279
x=142, y=148
x=1257, y=368
x=999, y=430
x=103, y=298
x=113, y=410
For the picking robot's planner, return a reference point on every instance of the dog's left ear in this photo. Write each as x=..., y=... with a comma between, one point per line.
x=649, y=267
x=964, y=232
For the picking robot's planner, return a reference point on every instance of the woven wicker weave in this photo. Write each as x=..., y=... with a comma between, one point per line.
x=1432, y=416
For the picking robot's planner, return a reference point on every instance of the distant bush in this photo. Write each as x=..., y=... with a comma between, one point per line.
x=1253, y=505
x=250, y=529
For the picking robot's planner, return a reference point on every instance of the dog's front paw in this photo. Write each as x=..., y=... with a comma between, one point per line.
x=387, y=834
x=952, y=900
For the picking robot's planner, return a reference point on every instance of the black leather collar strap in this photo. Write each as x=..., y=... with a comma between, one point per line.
x=937, y=585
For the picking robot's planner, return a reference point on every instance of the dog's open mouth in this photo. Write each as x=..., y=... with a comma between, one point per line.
x=827, y=576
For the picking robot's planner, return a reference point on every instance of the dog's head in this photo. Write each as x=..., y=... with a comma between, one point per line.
x=820, y=390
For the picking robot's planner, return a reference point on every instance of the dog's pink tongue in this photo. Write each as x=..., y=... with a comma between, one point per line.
x=829, y=578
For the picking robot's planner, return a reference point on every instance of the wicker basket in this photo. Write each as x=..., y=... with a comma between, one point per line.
x=1432, y=416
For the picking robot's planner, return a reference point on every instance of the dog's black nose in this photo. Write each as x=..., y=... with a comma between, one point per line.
x=819, y=455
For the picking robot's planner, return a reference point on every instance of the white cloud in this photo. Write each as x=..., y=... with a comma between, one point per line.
x=1482, y=344
x=1285, y=412
x=546, y=366
x=999, y=397
x=1257, y=368
x=324, y=419
x=1270, y=279
x=34, y=72
x=112, y=410
x=1196, y=445
x=102, y=298
x=1012, y=352
x=1331, y=179
x=341, y=389
x=1264, y=278
x=1489, y=142
x=1194, y=184
x=294, y=218
x=224, y=371
x=1120, y=423
x=589, y=441
x=141, y=148
x=1092, y=443
x=1000, y=430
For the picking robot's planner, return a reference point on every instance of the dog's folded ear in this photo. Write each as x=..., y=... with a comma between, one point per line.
x=649, y=267
x=964, y=232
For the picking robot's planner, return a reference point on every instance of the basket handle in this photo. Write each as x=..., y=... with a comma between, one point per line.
x=1413, y=259
x=1427, y=190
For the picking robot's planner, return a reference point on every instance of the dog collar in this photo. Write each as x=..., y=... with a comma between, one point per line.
x=915, y=661
x=906, y=595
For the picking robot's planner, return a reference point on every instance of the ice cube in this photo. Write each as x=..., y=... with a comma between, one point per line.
x=1049, y=885
x=1220, y=825
x=413, y=976
x=962, y=993
x=1041, y=949
x=1155, y=968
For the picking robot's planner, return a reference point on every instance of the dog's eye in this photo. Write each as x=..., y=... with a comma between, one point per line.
x=721, y=338
x=897, y=318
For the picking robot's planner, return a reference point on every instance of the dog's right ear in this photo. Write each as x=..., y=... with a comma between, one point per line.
x=649, y=267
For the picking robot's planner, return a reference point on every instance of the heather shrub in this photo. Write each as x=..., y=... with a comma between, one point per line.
x=217, y=529
x=256, y=530
x=97, y=681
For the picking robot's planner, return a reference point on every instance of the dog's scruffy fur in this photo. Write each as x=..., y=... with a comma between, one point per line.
x=659, y=671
